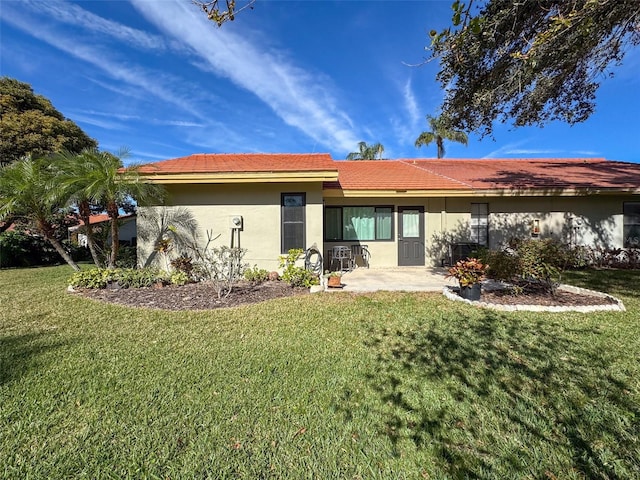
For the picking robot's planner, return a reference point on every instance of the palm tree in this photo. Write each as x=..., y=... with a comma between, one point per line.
x=73, y=173
x=440, y=131
x=102, y=180
x=367, y=152
x=28, y=189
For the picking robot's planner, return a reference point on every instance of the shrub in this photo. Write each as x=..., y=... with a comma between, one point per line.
x=531, y=263
x=16, y=250
x=256, y=275
x=123, y=277
x=501, y=264
x=127, y=257
x=183, y=263
x=93, y=278
x=19, y=249
x=541, y=262
x=468, y=272
x=140, y=277
x=179, y=278
x=294, y=275
x=222, y=267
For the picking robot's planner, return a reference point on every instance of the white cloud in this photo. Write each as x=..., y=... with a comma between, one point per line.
x=157, y=84
x=73, y=14
x=531, y=151
x=505, y=150
x=92, y=120
x=298, y=97
x=589, y=153
x=411, y=104
x=119, y=116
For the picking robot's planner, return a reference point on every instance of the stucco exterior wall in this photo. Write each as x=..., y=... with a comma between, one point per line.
x=384, y=253
x=258, y=204
x=594, y=221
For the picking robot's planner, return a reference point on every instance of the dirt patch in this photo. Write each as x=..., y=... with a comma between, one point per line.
x=562, y=298
x=195, y=296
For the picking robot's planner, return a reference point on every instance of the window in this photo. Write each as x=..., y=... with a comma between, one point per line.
x=358, y=223
x=292, y=216
x=631, y=225
x=480, y=223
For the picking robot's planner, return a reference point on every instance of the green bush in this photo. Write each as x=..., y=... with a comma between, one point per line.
x=93, y=278
x=18, y=249
x=502, y=264
x=294, y=275
x=127, y=257
x=531, y=263
x=256, y=275
x=179, y=278
x=123, y=277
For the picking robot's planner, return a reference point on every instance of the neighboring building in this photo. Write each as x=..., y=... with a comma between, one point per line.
x=127, y=230
x=407, y=212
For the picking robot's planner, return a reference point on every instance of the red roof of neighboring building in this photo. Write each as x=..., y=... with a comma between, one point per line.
x=242, y=163
x=103, y=217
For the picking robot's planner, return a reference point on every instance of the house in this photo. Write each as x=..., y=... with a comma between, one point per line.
x=127, y=230
x=406, y=212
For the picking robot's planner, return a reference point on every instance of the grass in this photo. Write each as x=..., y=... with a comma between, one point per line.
x=387, y=385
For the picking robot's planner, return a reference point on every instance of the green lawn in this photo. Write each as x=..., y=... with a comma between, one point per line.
x=386, y=385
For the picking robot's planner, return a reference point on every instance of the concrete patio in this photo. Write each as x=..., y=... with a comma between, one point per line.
x=409, y=279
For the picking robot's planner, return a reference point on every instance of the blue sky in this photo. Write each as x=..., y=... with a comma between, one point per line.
x=309, y=76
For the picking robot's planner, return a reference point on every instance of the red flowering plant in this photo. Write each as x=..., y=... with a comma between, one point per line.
x=468, y=272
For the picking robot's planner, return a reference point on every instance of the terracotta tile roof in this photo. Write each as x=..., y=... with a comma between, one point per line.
x=103, y=217
x=550, y=173
x=389, y=175
x=242, y=163
x=486, y=174
x=419, y=174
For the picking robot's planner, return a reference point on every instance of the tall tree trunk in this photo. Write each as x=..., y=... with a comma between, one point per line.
x=47, y=231
x=6, y=224
x=112, y=211
x=63, y=253
x=85, y=215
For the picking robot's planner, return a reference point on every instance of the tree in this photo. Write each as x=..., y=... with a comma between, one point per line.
x=102, y=180
x=29, y=190
x=74, y=173
x=367, y=152
x=440, y=131
x=530, y=61
x=219, y=15
x=32, y=126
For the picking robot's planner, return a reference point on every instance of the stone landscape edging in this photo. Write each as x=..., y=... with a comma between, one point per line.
x=616, y=306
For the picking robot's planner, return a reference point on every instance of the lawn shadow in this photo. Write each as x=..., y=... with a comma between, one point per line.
x=19, y=354
x=538, y=385
x=612, y=281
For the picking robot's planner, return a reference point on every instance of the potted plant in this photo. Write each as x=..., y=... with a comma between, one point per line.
x=469, y=273
x=334, y=279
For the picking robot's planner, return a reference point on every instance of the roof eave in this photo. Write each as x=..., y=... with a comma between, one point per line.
x=399, y=193
x=506, y=192
x=243, y=177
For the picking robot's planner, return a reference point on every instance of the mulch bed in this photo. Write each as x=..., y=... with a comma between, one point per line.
x=202, y=296
x=194, y=296
x=562, y=298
